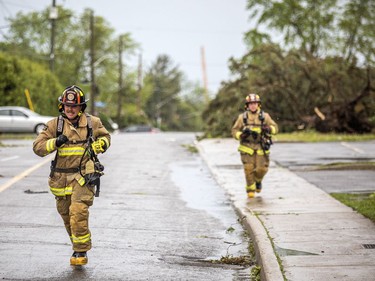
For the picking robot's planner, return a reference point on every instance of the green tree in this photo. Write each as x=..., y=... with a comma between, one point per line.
x=18, y=74
x=29, y=36
x=169, y=101
x=299, y=90
x=320, y=74
x=305, y=24
x=165, y=79
x=340, y=28
x=357, y=25
x=192, y=103
x=222, y=111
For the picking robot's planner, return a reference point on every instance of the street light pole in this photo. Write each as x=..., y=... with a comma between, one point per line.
x=52, y=16
x=204, y=72
x=92, y=63
x=139, y=83
x=120, y=80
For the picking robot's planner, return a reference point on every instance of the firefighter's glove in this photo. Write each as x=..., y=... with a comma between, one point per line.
x=266, y=129
x=245, y=133
x=254, y=134
x=99, y=146
x=60, y=140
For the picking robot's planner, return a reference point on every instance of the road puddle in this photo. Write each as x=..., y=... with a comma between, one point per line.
x=200, y=191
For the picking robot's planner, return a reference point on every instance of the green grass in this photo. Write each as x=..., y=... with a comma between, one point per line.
x=192, y=148
x=312, y=136
x=361, y=165
x=20, y=136
x=362, y=203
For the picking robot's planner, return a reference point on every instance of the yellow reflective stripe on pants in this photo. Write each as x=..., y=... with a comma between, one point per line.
x=81, y=239
x=260, y=152
x=251, y=187
x=71, y=151
x=61, y=191
x=246, y=149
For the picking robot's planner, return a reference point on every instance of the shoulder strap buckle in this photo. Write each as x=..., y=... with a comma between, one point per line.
x=60, y=125
x=89, y=126
x=244, y=116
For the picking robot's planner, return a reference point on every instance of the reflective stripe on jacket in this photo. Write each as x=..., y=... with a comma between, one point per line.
x=254, y=125
x=70, y=154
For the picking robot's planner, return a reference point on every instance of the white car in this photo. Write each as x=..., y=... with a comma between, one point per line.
x=17, y=119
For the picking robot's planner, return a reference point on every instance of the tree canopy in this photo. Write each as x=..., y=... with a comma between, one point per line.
x=86, y=48
x=20, y=74
x=167, y=106
x=318, y=76
x=311, y=61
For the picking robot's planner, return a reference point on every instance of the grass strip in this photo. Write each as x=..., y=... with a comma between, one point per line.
x=363, y=203
x=312, y=136
x=363, y=165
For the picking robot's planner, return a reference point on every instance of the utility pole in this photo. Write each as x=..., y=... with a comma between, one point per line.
x=120, y=80
x=53, y=14
x=92, y=62
x=204, y=71
x=139, y=82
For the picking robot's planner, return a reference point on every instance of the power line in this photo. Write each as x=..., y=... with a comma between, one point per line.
x=23, y=5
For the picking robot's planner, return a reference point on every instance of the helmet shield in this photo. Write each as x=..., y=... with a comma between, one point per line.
x=72, y=96
x=252, y=98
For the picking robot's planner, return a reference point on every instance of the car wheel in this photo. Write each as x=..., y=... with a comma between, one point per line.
x=39, y=128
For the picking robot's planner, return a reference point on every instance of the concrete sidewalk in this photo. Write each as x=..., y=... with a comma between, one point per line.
x=314, y=236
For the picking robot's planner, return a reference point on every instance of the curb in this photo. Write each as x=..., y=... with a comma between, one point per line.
x=265, y=255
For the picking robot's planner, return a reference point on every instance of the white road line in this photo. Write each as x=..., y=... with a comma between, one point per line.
x=24, y=174
x=352, y=147
x=9, y=158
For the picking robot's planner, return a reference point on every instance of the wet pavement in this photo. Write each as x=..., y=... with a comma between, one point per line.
x=299, y=231
x=200, y=191
x=303, y=158
x=163, y=214
x=160, y=216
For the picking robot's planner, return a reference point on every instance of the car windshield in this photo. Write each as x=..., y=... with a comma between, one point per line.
x=29, y=112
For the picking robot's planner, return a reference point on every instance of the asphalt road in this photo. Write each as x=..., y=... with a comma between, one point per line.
x=160, y=216
x=301, y=158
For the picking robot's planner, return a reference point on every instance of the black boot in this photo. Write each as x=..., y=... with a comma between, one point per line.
x=258, y=186
x=79, y=258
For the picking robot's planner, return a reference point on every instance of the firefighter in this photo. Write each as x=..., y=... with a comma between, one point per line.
x=253, y=128
x=69, y=136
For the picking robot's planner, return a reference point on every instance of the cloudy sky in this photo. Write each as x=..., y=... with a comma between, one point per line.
x=178, y=28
